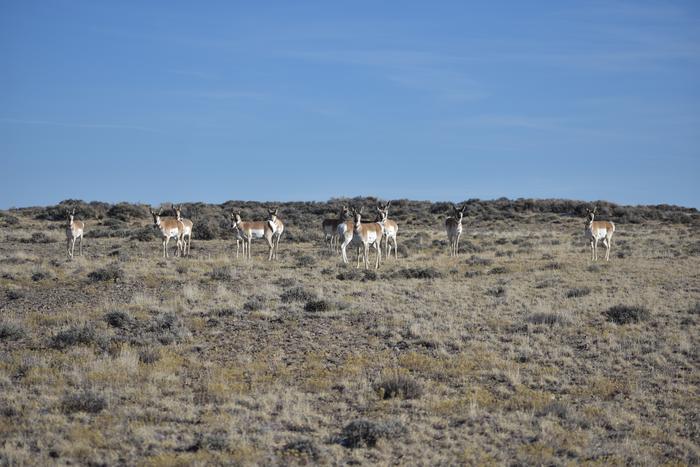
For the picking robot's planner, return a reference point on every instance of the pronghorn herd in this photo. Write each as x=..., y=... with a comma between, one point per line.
x=348, y=228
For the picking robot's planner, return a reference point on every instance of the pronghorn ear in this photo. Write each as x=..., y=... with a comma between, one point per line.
x=361, y=208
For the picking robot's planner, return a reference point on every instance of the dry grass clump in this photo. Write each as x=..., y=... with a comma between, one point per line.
x=112, y=272
x=84, y=401
x=168, y=328
x=498, y=291
x=11, y=331
x=302, y=447
x=366, y=433
x=353, y=274
x=75, y=335
x=149, y=356
x=255, y=303
x=14, y=294
x=626, y=314
x=499, y=270
x=417, y=273
x=305, y=261
x=118, y=319
x=577, y=292
x=316, y=306
x=478, y=261
x=548, y=318
x=221, y=273
x=297, y=294
x=399, y=386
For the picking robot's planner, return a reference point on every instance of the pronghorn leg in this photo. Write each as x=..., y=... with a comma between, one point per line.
x=595, y=250
x=358, y=258
x=367, y=256
x=378, y=246
x=238, y=247
x=271, y=246
x=344, y=248
x=592, y=252
x=165, y=247
x=457, y=245
x=396, y=248
x=80, y=247
x=606, y=244
x=68, y=248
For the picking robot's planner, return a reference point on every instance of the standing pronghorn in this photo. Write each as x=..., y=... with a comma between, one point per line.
x=277, y=227
x=169, y=227
x=239, y=237
x=186, y=233
x=453, y=225
x=330, y=228
x=391, y=228
x=74, y=230
x=345, y=234
x=254, y=229
x=599, y=230
x=368, y=235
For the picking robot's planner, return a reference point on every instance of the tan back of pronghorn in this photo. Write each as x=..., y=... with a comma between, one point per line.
x=74, y=231
x=453, y=225
x=250, y=230
x=277, y=227
x=187, y=232
x=330, y=228
x=169, y=227
x=368, y=235
x=391, y=228
x=599, y=230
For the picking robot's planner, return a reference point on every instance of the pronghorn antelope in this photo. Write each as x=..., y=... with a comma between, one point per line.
x=599, y=230
x=187, y=232
x=239, y=237
x=169, y=227
x=74, y=230
x=345, y=234
x=277, y=227
x=330, y=228
x=391, y=228
x=453, y=225
x=368, y=235
x=254, y=229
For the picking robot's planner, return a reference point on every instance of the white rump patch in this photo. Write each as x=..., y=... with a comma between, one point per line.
x=257, y=233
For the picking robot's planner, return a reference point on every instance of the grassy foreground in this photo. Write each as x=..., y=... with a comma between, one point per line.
x=521, y=350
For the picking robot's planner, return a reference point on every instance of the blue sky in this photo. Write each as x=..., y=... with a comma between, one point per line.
x=211, y=101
